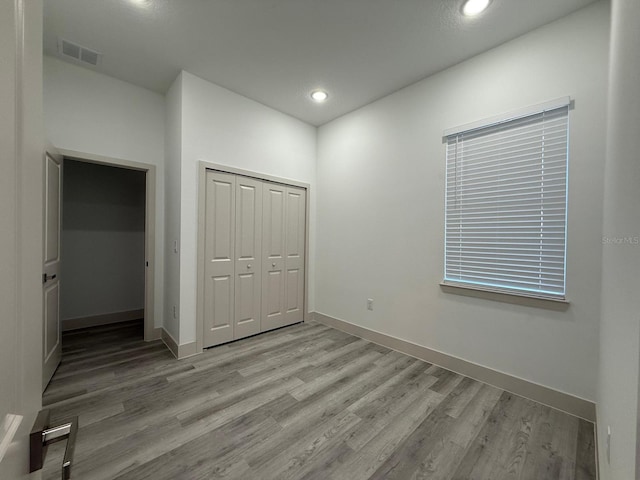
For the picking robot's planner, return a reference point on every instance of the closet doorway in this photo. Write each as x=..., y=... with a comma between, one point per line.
x=108, y=245
x=252, y=255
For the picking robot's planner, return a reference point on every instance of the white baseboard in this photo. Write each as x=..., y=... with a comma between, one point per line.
x=103, y=319
x=187, y=350
x=156, y=334
x=562, y=401
x=170, y=342
x=179, y=351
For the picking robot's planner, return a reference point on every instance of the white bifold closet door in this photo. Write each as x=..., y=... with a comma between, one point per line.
x=294, y=229
x=283, y=255
x=220, y=258
x=248, y=278
x=254, y=253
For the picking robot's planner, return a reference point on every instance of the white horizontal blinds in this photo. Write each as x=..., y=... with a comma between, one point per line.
x=506, y=205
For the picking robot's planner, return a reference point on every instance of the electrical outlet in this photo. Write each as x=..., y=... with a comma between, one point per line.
x=370, y=304
x=174, y=312
x=608, y=444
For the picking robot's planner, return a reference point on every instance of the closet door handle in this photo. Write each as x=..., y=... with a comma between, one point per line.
x=248, y=266
x=46, y=278
x=273, y=264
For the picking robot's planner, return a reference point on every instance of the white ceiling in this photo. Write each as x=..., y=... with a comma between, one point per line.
x=277, y=51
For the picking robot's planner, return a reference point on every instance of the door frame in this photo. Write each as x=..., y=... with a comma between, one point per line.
x=150, y=330
x=203, y=166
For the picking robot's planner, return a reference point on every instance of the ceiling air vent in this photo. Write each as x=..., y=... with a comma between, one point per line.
x=81, y=54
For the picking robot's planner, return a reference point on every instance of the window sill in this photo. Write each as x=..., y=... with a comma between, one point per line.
x=505, y=297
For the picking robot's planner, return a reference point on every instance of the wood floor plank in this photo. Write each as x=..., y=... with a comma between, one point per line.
x=564, y=440
x=305, y=402
x=321, y=407
x=212, y=410
x=441, y=460
x=234, y=353
x=406, y=459
x=296, y=460
x=472, y=418
x=337, y=396
x=393, y=397
x=241, y=451
x=99, y=413
x=364, y=462
x=195, y=458
x=498, y=450
x=192, y=446
x=467, y=391
x=336, y=372
x=405, y=371
x=543, y=460
x=585, y=446
x=106, y=360
x=307, y=351
x=335, y=359
x=447, y=381
x=72, y=399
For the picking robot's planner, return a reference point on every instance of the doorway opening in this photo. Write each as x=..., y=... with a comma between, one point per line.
x=106, y=307
x=101, y=222
x=103, y=248
x=108, y=243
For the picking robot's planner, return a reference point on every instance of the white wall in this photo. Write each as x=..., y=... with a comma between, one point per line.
x=92, y=113
x=620, y=327
x=102, y=240
x=222, y=127
x=173, y=149
x=381, y=208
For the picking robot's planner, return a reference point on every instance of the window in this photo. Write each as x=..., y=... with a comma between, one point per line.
x=506, y=203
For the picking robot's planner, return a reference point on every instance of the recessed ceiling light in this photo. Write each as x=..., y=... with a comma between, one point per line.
x=319, y=96
x=474, y=7
x=141, y=3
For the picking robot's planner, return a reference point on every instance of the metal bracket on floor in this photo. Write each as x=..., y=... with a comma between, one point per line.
x=43, y=435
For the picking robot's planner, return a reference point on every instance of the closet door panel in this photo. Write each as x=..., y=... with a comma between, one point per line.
x=248, y=264
x=293, y=290
x=273, y=260
x=219, y=257
x=295, y=210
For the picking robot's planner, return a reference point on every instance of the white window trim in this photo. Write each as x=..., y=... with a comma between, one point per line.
x=507, y=117
x=509, y=293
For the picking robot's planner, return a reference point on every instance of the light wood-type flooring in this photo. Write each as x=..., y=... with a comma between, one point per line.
x=302, y=402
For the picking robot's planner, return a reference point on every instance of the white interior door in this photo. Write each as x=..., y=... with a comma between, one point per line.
x=295, y=213
x=273, y=256
x=52, y=336
x=248, y=267
x=21, y=236
x=219, y=283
